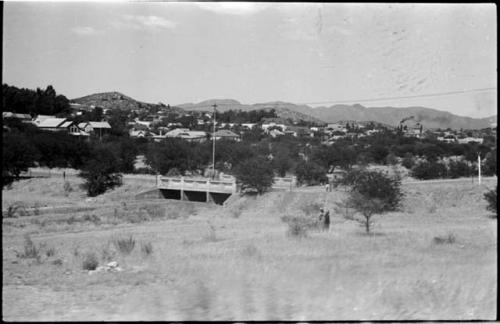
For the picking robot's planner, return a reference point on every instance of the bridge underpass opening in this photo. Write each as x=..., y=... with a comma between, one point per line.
x=195, y=196
x=219, y=198
x=170, y=194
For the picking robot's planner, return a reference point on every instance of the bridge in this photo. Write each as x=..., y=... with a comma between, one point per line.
x=209, y=190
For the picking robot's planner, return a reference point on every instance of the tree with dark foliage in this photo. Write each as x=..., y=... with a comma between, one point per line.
x=373, y=192
x=101, y=172
x=491, y=198
x=255, y=175
x=18, y=154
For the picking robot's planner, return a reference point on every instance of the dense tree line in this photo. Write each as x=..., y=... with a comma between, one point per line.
x=34, y=102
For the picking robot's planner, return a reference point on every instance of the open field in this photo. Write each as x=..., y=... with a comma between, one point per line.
x=236, y=262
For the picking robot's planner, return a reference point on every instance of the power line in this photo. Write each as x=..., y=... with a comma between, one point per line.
x=403, y=97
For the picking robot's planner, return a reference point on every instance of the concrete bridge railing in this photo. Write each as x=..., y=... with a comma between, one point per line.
x=227, y=185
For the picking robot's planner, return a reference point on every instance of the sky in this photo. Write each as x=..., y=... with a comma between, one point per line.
x=305, y=53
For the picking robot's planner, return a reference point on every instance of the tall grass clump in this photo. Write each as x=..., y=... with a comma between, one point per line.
x=211, y=236
x=448, y=239
x=491, y=198
x=124, y=245
x=31, y=251
x=90, y=261
x=67, y=188
x=299, y=226
x=147, y=248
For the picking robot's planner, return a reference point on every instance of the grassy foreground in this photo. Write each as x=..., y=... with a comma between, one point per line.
x=236, y=262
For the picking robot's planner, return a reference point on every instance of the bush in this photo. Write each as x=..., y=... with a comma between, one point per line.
x=124, y=245
x=100, y=173
x=90, y=261
x=31, y=251
x=459, y=169
x=255, y=174
x=147, y=248
x=408, y=161
x=299, y=226
x=449, y=239
x=428, y=170
x=67, y=188
x=310, y=173
x=373, y=192
x=491, y=198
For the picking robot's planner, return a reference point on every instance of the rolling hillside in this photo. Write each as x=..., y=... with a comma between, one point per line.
x=114, y=100
x=430, y=118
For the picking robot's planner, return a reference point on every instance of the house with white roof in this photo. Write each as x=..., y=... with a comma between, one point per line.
x=226, y=134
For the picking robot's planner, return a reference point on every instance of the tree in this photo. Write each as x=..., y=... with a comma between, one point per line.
x=169, y=153
x=491, y=198
x=426, y=170
x=255, y=174
x=100, y=172
x=18, y=154
x=310, y=173
x=372, y=193
x=490, y=163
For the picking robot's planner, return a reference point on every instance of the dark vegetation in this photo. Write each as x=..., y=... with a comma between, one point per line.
x=24, y=146
x=372, y=193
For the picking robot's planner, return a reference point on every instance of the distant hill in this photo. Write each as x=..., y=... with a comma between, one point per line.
x=115, y=100
x=430, y=118
x=283, y=109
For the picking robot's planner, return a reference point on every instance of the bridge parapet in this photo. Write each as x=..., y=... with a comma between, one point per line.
x=194, y=184
x=227, y=185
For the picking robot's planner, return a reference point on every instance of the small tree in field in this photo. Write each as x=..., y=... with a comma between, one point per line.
x=372, y=193
x=255, y=174
x=101, y=173
x=491, y=198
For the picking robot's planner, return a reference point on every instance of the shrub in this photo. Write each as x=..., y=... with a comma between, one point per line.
x=458, y=169
x=100, y=173
x=373, y=192
x=310, y=173
x=211, y=235
x=13, y=210
x=92, y=218
x=255, y=174
x=67, y=188
x=428, y=170
x=408, y=161
x=124, y=245
x=50, y=252
x=491, y=198
x=449, y=239
x=147, y=248
x=298, y=225
x=31, y=251
x=90, y=261
x=391, y=159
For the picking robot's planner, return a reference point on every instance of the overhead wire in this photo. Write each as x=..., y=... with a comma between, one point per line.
x=401, y=97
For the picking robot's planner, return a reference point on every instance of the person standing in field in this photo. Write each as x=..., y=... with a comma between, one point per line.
x=326, y=221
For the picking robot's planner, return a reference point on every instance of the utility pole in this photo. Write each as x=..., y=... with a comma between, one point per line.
x=479, y=166
x=213, y=149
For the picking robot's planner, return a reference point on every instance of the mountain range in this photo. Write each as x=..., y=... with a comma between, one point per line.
x=429, y=118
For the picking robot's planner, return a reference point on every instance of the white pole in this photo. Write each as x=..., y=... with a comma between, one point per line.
x=479, y=167
x=213, y=150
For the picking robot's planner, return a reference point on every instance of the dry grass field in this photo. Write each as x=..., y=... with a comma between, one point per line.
x=435, y=259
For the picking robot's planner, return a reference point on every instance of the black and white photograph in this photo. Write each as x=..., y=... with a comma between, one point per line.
x=249, y=161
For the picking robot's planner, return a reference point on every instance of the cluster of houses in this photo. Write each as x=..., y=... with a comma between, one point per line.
x=54, y=124
x=271, y=126
x=457, y=137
